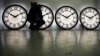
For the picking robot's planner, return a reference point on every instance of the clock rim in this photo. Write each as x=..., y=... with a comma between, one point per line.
x=56, y=18
x=83, y=24
x=5, y=11
x=52, y=17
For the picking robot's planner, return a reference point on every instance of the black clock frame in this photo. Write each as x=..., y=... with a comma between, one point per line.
x=58, y=23
x=81, y=21
x=6, y=24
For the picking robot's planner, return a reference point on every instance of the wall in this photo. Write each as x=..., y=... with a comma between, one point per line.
x=53, y=4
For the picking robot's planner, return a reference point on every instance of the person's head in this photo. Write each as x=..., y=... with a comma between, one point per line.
x=33, y=4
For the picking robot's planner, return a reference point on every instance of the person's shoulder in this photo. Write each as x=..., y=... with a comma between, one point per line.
x=39, y=5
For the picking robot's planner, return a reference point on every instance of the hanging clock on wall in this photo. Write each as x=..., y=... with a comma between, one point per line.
x=14, y=17
x=48, y=17
x=66, y=17
x=90, y=18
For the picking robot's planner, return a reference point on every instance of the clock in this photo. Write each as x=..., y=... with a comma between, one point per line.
x=66, y=17
x=14, y=17
x=48, y=16
x=90, y=18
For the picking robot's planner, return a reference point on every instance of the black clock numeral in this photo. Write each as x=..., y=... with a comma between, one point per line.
x=62, y=11
x=45, y=10
x=58, y=17
x=90, y=26
x=63, y=24
x=97, y=22
x=82, y=18
x=19, y=9
x=6, y=20
x=22, y=12
x=86, y=11
x=11, y=9
x=7, y=12
x=69, y=10
x=59, y=21
x=49, y=17
x=66, y=25
x=14, y=25
x=22, y=21
x=10, y=23
x=59, y=13
x=75, y=17
x=18, y=24
x=23, y=16
x=93, y=24
x=83, y=14
x=5, y=16
x=15, y=8
x=74, y=21
x=93, y=11
x=89, y=10
x=49, y=21
x=87, y=24
x=83, y=22
x=66, y=9
x=71, y=24
x=46, y=24
x=97, y=18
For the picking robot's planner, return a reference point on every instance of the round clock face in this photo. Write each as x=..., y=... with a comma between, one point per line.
x=66, y=17
x=90, y=18
x=14, y=17
x=48, y=16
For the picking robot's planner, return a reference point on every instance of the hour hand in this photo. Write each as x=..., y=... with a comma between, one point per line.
x=46, y=14
x=12, y=15
x=19, y=14
x=70, y=15
x=64, y=16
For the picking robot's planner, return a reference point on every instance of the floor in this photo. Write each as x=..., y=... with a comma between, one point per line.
x=50, y=43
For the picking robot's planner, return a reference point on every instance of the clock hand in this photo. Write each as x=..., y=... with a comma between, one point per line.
x=64, y=16
x=70, y=15
x=46, y=14
x=19, y=14
x=87, y=16
x=93, y=16
x=12, y=15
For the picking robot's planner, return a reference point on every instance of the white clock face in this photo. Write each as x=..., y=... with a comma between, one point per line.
x=14, y=16
x=48, y=16
x=66, y=17
x=90, y=18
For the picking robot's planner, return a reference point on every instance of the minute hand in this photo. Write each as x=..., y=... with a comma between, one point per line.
x=93, y=16
x=69, y=15
x=46, y=14
x=19, y=14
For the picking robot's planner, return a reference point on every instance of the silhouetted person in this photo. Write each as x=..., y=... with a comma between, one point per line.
x=35, y=16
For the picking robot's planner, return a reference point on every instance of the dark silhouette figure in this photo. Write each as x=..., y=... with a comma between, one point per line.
x=35, y=16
